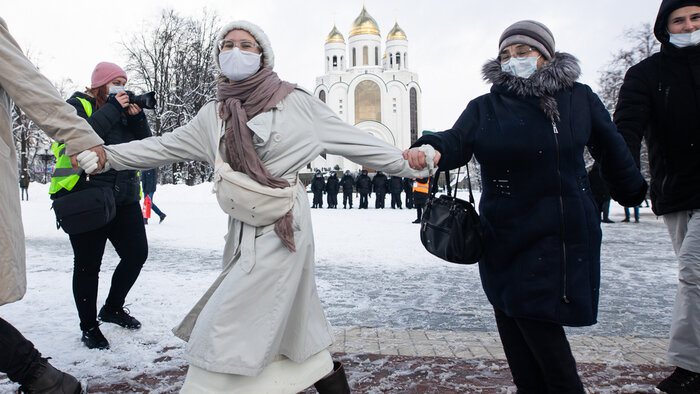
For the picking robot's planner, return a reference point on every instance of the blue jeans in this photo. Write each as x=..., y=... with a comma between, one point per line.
x=153, y=205
x=636, y=213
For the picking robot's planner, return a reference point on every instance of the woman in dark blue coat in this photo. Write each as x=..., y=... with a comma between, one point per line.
x=542, y=237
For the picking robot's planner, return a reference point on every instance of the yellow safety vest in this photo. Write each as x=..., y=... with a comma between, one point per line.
x=64, y=176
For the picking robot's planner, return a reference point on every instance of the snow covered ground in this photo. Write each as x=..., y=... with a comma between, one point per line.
x=372, y=271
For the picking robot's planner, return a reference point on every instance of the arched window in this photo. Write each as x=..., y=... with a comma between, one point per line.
x=368, y=102
x=398, y=60
x=376, y=56
x=413, y=107
x=391, y=60
x=322, y=95
x=328, y=63
x=354, y=57
x=342, y=63
x=335, y=61
x=405, y=60
x=365, y=55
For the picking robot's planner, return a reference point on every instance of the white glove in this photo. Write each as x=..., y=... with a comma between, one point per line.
x=88, y=161
x=429, y=152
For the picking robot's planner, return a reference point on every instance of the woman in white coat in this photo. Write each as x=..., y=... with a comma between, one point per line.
x=260, y=326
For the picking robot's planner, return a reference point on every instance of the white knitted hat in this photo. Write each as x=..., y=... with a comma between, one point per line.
x=255, y=31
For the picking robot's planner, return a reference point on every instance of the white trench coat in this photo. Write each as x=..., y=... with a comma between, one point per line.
x=265, y=303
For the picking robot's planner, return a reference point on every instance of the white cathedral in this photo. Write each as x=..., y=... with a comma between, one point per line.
x=377, y=94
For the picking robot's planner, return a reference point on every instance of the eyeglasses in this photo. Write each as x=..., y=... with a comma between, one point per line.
x=521, y=51
x=244, y=45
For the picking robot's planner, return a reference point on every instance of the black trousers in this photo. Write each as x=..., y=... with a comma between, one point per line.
x=347, y=198
x=18, y=357
x=332, y=199
x=318, y=200
x=127, y=234
x=539, y=356
x=379, y=200
x=396, y=199
x=364, y=200
x=419, y=211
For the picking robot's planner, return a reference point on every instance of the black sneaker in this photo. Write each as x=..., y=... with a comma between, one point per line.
x=51, y=380
x=681, y=381
x=118, y=316
x=94, y=339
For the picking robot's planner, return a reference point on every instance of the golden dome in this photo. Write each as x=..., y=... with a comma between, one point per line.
x=335, y=36
x=396, y=33
x=364, y=24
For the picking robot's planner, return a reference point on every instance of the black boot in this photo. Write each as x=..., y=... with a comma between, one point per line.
x=49, y=380
x=119, y=316
x=681, y=381
x=94, y=339
x=335, y=383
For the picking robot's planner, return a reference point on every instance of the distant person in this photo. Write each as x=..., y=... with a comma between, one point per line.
x=395, y=187
x=408, y=190
x=540, y=267
x=363, y=184
x=332, y=187
x=106, y=107
x=659, y=101
x=348, y=184
x=380, y=185
x=21, y=83
x=318, y=187
x=627, y=214
x=601, y=193
x=260, y=327
x=149, y=182
x=24, y=184
x=420, y=196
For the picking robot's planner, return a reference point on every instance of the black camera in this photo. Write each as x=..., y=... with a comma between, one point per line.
x=146, y=100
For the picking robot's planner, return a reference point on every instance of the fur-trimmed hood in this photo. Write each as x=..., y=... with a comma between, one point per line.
x=561, y=73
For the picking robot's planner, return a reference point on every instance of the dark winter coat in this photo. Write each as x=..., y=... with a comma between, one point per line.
x=347, y=182
x=113, y=128
x=149, y=180
x=598, y=187
x=420, y=198
x=380, y=183
x=332, y=185
x=363, y=183
x=541, y=226
x=660, y=100
x=396, y=184
x=318, y=185
x=408, y=186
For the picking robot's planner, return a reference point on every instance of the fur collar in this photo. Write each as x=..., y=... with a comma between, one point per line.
x=561, y=73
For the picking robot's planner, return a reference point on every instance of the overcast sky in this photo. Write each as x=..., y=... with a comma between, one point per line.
x=449, y=41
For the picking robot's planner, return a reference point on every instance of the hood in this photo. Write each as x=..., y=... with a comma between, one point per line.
x=667, y=7
x=561, y=73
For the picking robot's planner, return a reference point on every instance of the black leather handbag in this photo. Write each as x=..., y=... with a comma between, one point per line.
x=84, y=210
x=450, y=227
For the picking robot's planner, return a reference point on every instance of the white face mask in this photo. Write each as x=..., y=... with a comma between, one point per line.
x=238, y=65
x=113, y=89
x=685, y=39
x=521, y=67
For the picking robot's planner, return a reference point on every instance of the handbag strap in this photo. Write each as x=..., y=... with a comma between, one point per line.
x=434, y=187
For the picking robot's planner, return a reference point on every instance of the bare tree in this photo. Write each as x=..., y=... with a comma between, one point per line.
x=174, y=61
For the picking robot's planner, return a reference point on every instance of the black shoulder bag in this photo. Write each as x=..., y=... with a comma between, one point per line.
x=450, y=227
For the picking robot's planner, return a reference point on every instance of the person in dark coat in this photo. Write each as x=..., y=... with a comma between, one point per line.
x=420, y=196
x=347, y=183
x=318, y=187
x=541, y=264
x=24, y=184
x=117, y=121
x=660, y=101
x=332, y=187
x=395, y=186
x=600, y=191
x=149, y=182
x=363, y=183
x=408, y=190
x=380, y=185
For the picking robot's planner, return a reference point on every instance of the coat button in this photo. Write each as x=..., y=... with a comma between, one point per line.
x=276, y=137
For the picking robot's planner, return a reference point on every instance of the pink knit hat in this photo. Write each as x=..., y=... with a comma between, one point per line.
x=104, y=73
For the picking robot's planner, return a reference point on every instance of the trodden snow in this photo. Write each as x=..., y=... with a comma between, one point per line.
x=371, y=271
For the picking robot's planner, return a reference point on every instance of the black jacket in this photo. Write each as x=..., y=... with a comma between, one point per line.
x=332, y=185
x=347, y=182
x=318, y=185
x=542, y=232
x=396, y=184
x=113, y=128
x=380, y=183
x=363, y=184
x=660, y=100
